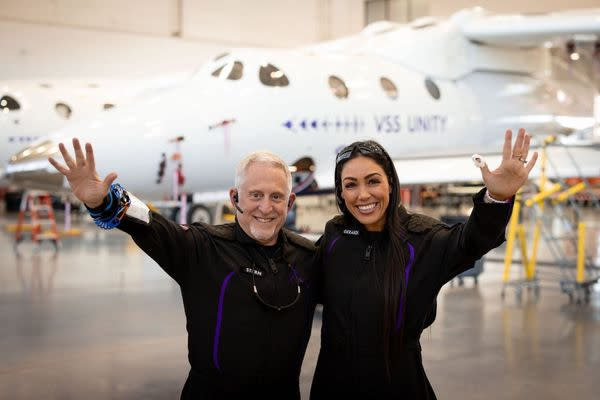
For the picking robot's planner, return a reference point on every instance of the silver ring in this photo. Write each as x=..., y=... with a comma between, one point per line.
x=522, y=160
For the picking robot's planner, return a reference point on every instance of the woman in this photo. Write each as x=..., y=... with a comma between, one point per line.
x=383, y=268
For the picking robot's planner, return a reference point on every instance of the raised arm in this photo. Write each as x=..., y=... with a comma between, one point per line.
x=169, y=244
x=485, y=228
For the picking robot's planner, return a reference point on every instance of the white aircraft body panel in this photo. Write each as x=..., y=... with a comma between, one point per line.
x=34, y=112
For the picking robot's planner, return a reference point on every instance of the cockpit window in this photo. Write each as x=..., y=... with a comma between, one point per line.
x=8, y=103
x=389, y=88
x=233, y=70
x=63, y=110
x=217, y=71
x=338, y=87
x=432, y=88
x=270, y=75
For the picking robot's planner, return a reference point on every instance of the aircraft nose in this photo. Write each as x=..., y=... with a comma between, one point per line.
x=30, y=169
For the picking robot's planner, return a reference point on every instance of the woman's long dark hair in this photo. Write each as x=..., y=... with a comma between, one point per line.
x=395, y=254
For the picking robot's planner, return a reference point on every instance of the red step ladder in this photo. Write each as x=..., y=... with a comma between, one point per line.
x=38, y=206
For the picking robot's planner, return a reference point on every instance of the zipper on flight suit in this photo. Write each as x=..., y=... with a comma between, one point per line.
x=273, y=266
x=368, y=253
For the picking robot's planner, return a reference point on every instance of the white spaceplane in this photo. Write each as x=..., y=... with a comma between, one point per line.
x=433, y=92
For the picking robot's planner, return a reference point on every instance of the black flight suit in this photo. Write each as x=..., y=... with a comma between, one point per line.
x=237, y=346
x=351, y=363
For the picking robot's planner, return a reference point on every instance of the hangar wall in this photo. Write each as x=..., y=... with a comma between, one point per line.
x=32, y=51
x=73, y=39
x=233, y=22
x=111, y=38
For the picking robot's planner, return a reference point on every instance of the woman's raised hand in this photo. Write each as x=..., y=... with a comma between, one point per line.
x=82, y=176
x=513, y=172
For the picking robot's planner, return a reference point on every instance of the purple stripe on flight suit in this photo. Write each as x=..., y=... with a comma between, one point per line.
x=406, y=276
x=219, y=319
x=294, y=274
x=330, y=247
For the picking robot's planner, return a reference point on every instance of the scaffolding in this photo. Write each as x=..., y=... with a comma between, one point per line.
x=549, y=207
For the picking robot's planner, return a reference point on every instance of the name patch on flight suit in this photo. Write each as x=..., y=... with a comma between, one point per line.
x=253, y=271
x=351, y=232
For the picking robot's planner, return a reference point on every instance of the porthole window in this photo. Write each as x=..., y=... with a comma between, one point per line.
x=233, y=70
x=338, y=87
x=432, y=88
x=63, y=110
x=270, y=75
x=389, y=88
x=8, y=103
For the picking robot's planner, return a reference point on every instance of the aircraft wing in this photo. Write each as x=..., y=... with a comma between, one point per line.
x=562, y=162
x=529, y=30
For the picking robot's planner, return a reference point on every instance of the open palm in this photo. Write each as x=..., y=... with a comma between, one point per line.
x=81, y=173
x=513, y=172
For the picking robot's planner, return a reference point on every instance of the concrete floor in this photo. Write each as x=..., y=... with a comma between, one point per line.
x=100, y=320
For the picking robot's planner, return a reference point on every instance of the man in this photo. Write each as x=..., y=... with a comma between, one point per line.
x=246, y=286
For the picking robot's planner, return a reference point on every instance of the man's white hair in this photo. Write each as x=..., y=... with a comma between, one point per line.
x=262, y=156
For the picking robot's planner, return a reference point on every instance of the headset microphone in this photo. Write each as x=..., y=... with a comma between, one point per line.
x=236, y=200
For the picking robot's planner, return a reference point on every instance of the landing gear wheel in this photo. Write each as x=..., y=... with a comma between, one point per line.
x=199, y=214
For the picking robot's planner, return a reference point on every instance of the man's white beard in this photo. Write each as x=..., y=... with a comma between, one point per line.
x=261, y=234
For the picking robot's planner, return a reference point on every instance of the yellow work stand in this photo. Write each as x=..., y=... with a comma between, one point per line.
x=578, y=289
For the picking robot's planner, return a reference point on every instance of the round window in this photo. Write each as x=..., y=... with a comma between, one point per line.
x=432, y=88
x=389, y=88
x=63, y=110
x=338, y=87
x=270, y=75
x=8, y=103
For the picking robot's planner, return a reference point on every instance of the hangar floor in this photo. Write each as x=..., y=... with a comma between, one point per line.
x=101, y=321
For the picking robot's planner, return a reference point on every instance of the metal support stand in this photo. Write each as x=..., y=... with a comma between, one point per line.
x=548, y=207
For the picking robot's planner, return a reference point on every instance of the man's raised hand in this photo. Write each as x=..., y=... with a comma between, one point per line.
x=82, y=176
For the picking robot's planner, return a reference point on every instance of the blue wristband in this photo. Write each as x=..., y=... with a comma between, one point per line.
x=112, y=215
x=96, y=214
